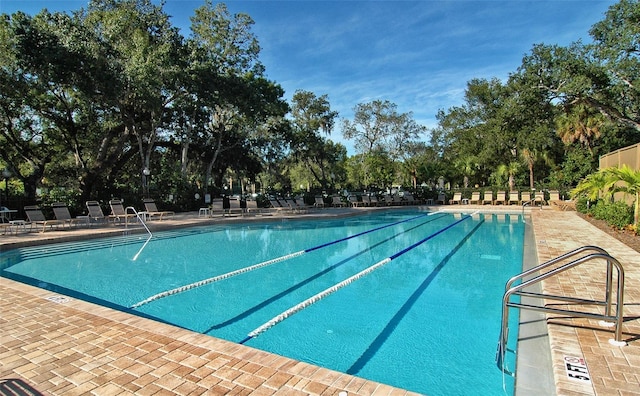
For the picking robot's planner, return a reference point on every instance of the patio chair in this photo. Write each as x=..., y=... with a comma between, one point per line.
x=409, y=200
x=61, y=212
x=442, y=198
x=217, y=206
x=152, y=209
x=366, y=200
x=277, y=206
x=234, y=206
x=353, y=201
x=457, y=199
x=525, y=197
x=118, y=212
x=252, y=207
x=336, y=201
x=539, y=197
x=36, y=218
x=319, y=202
x=514, y=197
x=397, y=200
x=501, y=198
x=475, y=197
x=487, y=198
x=95, y=212
x=300, y=205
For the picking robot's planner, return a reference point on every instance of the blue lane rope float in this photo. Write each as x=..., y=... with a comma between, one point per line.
x=264, y=264
x=317, y=297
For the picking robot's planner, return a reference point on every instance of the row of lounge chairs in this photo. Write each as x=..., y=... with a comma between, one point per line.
x=37, y=220
x=501, y=198
x=367, y=201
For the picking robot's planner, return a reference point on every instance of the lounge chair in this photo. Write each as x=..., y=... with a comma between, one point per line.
x=118, y=212
x=353, y=201
x=442, y=198
x=514, y=197
x=397, y=200
x=293, y=205
x=525, y=197
x=539, y=197
x=366, y=200
x=301, y=207
x=37, y=218
x=336, y=201
x=217, y=206
x=559, y=204
x=374, y=201
x=487, y=198
x=409, y=200
x=234, y=206
x=501, y=198
x=152, y=210
x=319, y=202
x=475, y=197
x=457, y=199
x=277, y=206
x=61, y=212
x=252, y=207
x=95, y=212
x=388, y=200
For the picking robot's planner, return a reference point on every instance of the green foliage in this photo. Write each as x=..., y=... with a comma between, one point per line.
x=617, y=214
x=89, y=100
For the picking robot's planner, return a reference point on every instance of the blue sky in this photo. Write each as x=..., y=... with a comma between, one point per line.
x=417, y=54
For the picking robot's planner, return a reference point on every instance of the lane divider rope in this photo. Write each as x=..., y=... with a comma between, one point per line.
x=263, y=264
x=319, y=296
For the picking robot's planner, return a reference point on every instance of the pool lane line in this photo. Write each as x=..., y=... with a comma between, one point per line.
x=264, y=264
x=319, y=296
x=393, y=323
x=313, y=277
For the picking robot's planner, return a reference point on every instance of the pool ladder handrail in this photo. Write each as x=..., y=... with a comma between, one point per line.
x=531, y=202
x=141, y=220
x=607, y=319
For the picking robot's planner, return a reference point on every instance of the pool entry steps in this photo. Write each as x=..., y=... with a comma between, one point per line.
x=578, y=256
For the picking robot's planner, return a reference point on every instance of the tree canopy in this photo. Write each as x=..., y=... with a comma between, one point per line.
x=113, y=100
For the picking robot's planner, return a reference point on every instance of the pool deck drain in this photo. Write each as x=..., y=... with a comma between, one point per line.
x=60, y=345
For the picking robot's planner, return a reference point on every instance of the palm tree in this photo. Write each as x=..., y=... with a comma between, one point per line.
x=609, y=181
x=509, y=171
x=591, y=187
x=582, y=124
x=626, y=180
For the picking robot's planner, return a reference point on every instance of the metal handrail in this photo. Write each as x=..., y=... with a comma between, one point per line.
x=141, y=220
x=511, y=290
x=530, y=202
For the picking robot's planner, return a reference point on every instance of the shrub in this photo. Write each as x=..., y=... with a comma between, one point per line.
x=617, y=214
x=583, y=205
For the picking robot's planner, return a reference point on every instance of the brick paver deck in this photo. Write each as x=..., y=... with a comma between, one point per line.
x=66, y=346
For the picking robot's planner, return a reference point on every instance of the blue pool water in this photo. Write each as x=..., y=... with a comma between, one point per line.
x=427, y=321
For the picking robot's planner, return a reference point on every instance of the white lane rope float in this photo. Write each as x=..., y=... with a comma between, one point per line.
x=262, y=264
x=313, y=299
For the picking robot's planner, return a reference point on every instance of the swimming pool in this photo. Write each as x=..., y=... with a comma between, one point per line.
x=427, y=321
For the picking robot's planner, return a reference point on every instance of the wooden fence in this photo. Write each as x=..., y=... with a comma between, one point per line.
x=629, y=155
